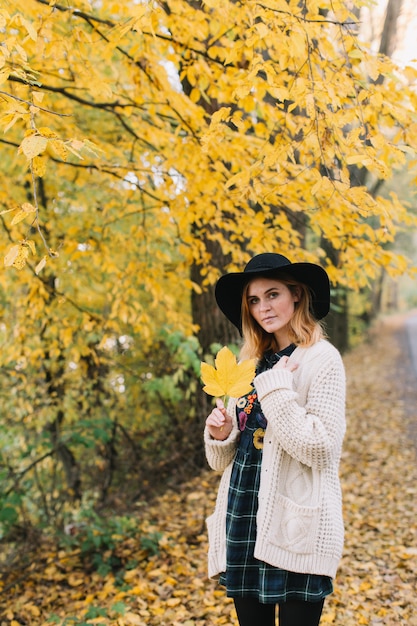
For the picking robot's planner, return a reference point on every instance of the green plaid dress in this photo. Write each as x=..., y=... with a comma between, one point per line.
x=245, y=575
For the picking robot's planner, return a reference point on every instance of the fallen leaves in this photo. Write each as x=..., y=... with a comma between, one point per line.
x=376, y=583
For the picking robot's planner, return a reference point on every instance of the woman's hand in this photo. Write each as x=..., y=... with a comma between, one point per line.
x=219, y=423
x=284, y=364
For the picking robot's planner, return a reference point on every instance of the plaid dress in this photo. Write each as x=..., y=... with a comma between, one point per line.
x=245, y=575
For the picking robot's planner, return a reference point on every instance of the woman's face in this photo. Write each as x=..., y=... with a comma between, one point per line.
x=271, y=304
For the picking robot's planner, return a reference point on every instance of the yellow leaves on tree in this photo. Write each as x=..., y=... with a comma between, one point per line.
x=37, y=141
x=228, y=378
x=33, y=145
x=27, y=209
x=224, y=111
x=17, y=255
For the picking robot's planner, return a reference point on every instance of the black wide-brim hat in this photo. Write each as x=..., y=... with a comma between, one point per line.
x=229, y=288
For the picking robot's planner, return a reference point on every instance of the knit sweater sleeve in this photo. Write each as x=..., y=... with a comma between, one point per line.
x=306, y=409
x=220, y=454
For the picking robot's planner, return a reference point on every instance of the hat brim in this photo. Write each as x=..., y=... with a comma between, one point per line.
x=229, y=288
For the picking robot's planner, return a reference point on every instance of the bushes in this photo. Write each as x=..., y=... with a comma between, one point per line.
x=110, y=431
x=99, y=541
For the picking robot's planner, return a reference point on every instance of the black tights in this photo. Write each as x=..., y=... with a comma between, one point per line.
x=250, y=612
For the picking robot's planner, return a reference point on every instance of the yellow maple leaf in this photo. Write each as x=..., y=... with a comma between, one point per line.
x=228, y=378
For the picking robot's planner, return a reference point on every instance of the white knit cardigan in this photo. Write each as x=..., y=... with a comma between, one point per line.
x=299, y=518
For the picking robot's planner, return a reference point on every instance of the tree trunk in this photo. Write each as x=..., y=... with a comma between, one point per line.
x=337, y=320
x=389, y=32
x=214, y=327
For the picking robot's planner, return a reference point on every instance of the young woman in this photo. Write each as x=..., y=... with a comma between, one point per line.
x=276, y=535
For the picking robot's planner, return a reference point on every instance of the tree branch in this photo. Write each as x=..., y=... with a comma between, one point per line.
x=302, y=18
x=76, y=12
x=27, y=469
x=68, y=94
x=90, y=19
x=92, y=166
x=9, y=95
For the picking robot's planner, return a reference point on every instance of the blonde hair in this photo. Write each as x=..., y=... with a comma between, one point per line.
x=303, y=328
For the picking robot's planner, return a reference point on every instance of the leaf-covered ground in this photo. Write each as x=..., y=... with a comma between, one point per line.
x=376, y=583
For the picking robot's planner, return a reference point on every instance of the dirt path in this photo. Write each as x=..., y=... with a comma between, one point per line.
x=406, y=334
x=377, y=582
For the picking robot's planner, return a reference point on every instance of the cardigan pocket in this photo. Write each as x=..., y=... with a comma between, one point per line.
x=296, y=511
x=294, y=527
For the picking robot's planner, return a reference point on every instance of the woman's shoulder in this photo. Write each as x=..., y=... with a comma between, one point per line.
x=321, y=349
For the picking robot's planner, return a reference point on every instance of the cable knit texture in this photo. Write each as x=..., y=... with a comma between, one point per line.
x=299, y=519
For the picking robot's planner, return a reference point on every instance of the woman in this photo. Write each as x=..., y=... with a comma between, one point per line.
x=276, y=535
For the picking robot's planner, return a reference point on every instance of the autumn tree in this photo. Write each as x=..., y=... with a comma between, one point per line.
x=147, y=148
